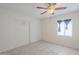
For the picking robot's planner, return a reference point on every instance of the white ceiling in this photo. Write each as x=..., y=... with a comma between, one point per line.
x=29, y=9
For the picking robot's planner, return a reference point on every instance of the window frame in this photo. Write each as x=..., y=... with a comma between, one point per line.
x=64, y=30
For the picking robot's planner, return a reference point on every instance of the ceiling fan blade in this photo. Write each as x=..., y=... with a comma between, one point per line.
x=60, y=8
x=41, y=7
x=43, y=12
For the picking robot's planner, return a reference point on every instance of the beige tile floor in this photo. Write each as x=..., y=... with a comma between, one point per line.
x=41, y=48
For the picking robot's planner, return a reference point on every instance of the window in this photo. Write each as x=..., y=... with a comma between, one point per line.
x=64, y=27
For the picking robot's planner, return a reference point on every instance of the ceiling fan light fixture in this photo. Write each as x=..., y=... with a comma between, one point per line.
x=50, y=9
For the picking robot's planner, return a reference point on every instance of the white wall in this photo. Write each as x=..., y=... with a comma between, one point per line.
x=14, y=29
x=49, y=30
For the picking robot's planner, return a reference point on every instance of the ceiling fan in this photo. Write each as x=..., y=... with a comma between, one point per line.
x=51, y=8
